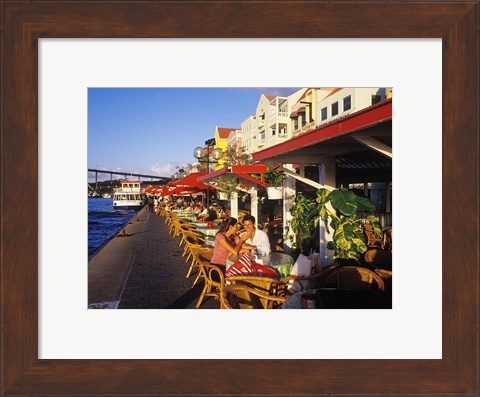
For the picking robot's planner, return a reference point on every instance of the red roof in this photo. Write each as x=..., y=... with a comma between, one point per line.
x=223, y=133
x=270, y=97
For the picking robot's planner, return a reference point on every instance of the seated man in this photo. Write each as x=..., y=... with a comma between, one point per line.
x=202, y=212
x=257, y=239
x=208, y=215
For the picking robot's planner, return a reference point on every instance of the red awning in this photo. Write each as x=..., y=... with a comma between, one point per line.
x=191, y=180
x=239, y=171
x=186, y=191
x=167, y=191
x=152, y=189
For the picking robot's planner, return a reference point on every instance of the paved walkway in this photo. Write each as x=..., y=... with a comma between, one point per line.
x=143, y=268
x=156, y=279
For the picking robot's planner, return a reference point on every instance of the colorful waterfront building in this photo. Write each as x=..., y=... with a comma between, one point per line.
x=221, y=142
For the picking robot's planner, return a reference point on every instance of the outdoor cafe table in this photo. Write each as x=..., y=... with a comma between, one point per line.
x=281, y=262
x=203, y=228
x=209, y=241
x=188, y=215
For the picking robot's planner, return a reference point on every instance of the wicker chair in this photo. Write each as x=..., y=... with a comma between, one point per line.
x=372, y=241
x=169, y=215
x=237, y=296
x=308, y=282
x=214, y=280
x=378, y=257
x=188, y=238
x=171, y=221
x=265, y=285
x=352, y=278
x=386, y=276
x=199, y=253
x=179, y=226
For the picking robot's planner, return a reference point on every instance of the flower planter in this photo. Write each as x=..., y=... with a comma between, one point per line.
x=275, y=193
x=223, y=196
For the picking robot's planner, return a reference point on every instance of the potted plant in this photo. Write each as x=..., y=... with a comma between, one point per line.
x=338, y=210
x=275, y=181
x=226, y=187
x=304, y=224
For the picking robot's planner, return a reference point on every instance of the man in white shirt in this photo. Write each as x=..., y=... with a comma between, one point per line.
x=257, y=239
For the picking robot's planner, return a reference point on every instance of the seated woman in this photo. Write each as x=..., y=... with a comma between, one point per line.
x=226, y=243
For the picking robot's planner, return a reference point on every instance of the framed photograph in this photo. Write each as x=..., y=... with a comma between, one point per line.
x=23, y=112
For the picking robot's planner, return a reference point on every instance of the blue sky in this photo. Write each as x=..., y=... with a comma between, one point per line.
x=153, y=130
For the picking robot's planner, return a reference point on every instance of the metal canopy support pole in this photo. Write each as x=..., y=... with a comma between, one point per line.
x=254, y=203
x=234, y=205
x=327, y=178
x=288, y=194
x=208, y=172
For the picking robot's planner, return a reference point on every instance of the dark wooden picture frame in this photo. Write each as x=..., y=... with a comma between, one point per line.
x=456, y=23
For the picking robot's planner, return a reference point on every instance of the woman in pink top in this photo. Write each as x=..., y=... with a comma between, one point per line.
x=226, y=243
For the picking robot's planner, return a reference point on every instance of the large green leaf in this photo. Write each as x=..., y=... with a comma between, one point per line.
x=344, y=201
x=322, y=211
x=364, y=204
x=344, y=236
x=353, y=255
x=322, y=195
x=361, y=246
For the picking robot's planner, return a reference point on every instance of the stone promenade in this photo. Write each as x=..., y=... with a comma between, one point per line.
x=153, y=269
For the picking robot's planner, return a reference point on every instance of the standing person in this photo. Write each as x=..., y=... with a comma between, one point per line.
x=150, y=204
x=255, y=239
x=226, y=243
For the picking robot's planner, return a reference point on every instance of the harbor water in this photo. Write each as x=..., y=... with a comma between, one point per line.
x=104, y=222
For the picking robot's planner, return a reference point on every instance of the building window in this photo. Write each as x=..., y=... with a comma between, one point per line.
x=324, y=113
x=334, y=109
x=376, y=99
x=347, y=103
x=304, y=119
x=295, y=123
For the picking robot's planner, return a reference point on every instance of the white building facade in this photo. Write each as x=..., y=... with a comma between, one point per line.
x=343, y=101
x=278, y=119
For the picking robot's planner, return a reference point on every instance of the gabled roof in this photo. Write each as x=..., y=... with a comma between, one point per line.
x=334, y=91
x=308, y=90
x=223, y=133
x=270, y=97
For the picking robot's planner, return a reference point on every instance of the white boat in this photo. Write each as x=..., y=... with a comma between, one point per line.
x=130, y=196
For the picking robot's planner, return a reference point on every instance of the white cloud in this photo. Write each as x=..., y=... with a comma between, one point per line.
x=166, y=169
